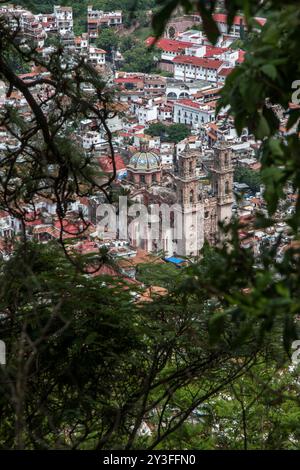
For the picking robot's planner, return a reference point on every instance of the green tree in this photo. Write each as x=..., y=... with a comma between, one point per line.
x=126, y=43
x=87, y=361
x=139, y=59
x=172, y=133
x=107, y=40
x=156, y=129
x=250, y=177
x=164, y=275
x=178, y=132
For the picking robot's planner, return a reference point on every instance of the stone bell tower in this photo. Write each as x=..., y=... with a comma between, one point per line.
x=222, y=180
x=189, y=199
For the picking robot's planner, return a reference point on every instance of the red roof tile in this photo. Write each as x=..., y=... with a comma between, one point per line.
x=198, y=61
x=169, y=45
x=107, y=165
x=221, y=18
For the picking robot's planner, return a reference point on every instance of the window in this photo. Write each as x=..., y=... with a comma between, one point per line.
x=227, y=187
x=206, y=215
x=142, y=179
x=191, y=195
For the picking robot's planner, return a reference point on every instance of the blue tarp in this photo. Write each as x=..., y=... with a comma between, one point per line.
x=174, y=260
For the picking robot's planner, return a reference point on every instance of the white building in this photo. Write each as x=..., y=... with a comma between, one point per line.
x=146, y=113
x=64, y=19
x=165, y=113
x=193, y=113
x=96, y=19
x=97, y=56
x=196, y=68
x=91, y=139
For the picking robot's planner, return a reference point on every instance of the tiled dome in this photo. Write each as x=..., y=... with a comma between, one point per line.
x=144, y=161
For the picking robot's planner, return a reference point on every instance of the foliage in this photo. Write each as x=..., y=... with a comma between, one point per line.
x=126, y=43
x=173, y=133
x=164, y=275
x=250, y=177
x=178, y=132
x=108, y=40
x=258, y=411
x=87, y=364
x=139, y=59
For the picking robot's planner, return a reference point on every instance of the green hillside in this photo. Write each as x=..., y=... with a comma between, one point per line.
x=80, y=8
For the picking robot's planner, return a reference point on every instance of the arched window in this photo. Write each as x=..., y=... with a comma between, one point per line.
x=191, y=195
x=172, y=32
x=191, y=168
x=227, y=187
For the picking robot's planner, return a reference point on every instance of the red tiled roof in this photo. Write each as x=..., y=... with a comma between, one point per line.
x=128, y=80
x=198, y=61
x=190, y=103
x=211, y=51
x=169, y=45
x=69, y=228
x=224, y=72
x=107, y=165
x=28, y=75
x=221, y=18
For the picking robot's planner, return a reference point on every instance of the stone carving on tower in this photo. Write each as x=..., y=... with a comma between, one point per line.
x=189, y=198
x=222, y=180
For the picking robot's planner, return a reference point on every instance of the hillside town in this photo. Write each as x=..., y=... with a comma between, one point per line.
x=196, y=176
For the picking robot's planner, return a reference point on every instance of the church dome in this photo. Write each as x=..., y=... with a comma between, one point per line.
x=145, y=160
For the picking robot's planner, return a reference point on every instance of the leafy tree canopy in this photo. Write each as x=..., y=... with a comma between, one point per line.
x=250, y=177
x=139, y=59
x=172, y=133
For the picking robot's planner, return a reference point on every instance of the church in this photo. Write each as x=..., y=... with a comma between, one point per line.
x=193, y=211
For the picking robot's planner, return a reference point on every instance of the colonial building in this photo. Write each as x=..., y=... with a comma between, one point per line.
x=97, y=19
x=193, y=113
x=144, y=168
x=188, y=218
x=193, y=213
x=197, y=68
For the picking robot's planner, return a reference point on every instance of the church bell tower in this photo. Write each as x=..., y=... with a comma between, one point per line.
x=222, y=180
x=189, y=199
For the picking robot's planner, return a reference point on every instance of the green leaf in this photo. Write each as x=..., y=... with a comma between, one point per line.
x=262, y=129
x=90, y=338
x=209, y=25
x=275, y=147
x=161, y=18
x=294, y=115
x=216, y=326
x=269, y=70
